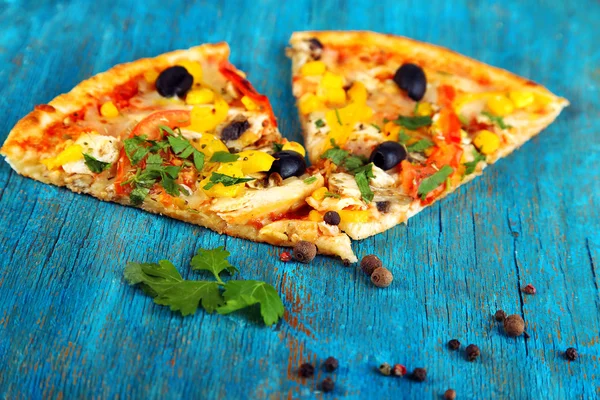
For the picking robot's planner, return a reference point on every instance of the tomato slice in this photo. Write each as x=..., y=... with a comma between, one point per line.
x=445, y=154
x=244, y=86
x=446, y=95
x=450, y=125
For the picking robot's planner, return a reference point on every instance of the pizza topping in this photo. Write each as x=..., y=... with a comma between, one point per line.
x=205, y=118
x=313, y=68
x=288, y=163
x=200, y=96
x=472, y=165
x=411, y=78
x=316, y=48
x=362, y=176
x=521, y=99
x=294, y=146
x=432, y=182
x=486, y=142
x=332, y=218
x=420, y=146
x=109, y=110
x=174, y=81
x=235, y=129
x=388, y=154
x=383, y=206
x=253, y=161
x=413, y=123
x=497, y=120
x=95, y=165
x=101, y=148
x=500, y=105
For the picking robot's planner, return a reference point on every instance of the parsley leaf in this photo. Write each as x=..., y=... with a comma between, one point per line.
x=277, y=147
x=95, y=165
x=319, y=123
x=413, y=123
x=471, y=165
x=214, y=261
x=182, y=147
x=496, y=119
x=421, y=145
x=334, y=195
x=354, y=162
x=432, y=182
x=336, y=155
x=403, y=137
x=241, y=294
x=310, y=180
x=134, y=149
x=223, y=156
x=226, y=180
x=376, y=127
x=362, y=176
x=337, y=115
x=138, y=195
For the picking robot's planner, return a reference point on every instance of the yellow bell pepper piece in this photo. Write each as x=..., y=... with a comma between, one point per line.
x=206, y=118
x=194, y=68
x=308, y=103
x=331, y=80
x=200, y=96
x=319, y=194
x=315, y=216
x=109, y=110
x=349, y=216
x=521, y=99
x=313, y=68
x=500, y=105
x=209, y=145
x=151, y=76
x=357, y=92
x=233, y=169
x=248, y=138
x=424, y=109
x=294, y=146
x=392, y=131
x=255, y=161
x=70, y=154
x=487, y=142
x=249, y=103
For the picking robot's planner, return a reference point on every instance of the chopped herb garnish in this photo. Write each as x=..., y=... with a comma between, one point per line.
x=496, y=119
x=463, y=120
x=416, y=108
x=277, y=147
x=337, y=115
x=403, y=137
x=224, y=157
x=226, y=180
x=167, y=287
x=421, y=145
x=183, y=148
x=432, y=182
x=319, y=123
x=95, y=165
x=343, y=158
x=354, y=162
x=362, y=176
x=154, y=172
x=334, y=195
x=134, y=149
x=413, y=123
x=310, y=180
x=376, y=127
x=471, y=165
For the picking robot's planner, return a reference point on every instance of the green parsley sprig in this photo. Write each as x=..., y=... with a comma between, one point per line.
x=432, y=182
x=166, y=286
x=471, y=165
x=95, y=165
x=496, y=119
x=413, y=123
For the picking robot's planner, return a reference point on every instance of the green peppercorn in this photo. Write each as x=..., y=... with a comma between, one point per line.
x=370, y=263
x=332, y=218
x=305, y=251
x=385, y=369
x=382, y=277
x=514, y=325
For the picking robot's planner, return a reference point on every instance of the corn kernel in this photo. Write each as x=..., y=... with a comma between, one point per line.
x=151, y=76
x=200, y=96
x=249, y=104
x=109, y=110
x=331, y=80
x=349, y=216
x=358, y=92
x=487, y=142
x=313, y=68
x=521, y=99
x=309, y=103
x=70, y=154
x=319, y=194
x=314, y=215
x=295, y=146
x=194, y=68
x=424, y=109
x=500, y=105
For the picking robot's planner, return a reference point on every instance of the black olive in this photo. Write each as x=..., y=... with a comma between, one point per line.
x=388, y=154
x=288, y=163
x=234, y=130
x=174, y=81
x=411, y=78
x=316, y=48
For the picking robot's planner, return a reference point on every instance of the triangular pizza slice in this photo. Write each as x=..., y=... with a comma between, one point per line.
x=395, y=124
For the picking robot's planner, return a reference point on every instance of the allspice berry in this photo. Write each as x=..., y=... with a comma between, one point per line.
x=385, y=369
x=450, y=394
x=472, y=352
x=305, y=251
x=382, y=277
x=332, y=218
x=370, y=263
x=514, y=325
x=500, y=315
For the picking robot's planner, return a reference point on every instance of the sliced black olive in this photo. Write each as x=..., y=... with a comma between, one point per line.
x=383, y=206
x=388, y=154
x=174, y=81
x=234, y=130
x=316, y=48
x=288, y=163
x=411, y=78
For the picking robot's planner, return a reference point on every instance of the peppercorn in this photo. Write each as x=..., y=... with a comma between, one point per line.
x=399, y=370
x=500, y=315
x=571, y=354
x=514, y=325
x=285, y=256
x=327, y=385
x=450, y=394
x=331, y=364
x=419, y=374
x=382, y=277
x=529, y=289
x=385, y=369
x=332, y=218
x=370, y=263
x=453, y=344
x=305, y=251
x=306, y=370
x=472, y=352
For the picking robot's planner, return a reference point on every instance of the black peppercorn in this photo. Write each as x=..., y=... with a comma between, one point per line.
x=331, y=364
x=382, y=277
x=453, y=344
x=571, y=354
x=500, y=315
x=332, y=218
x=370, y=263
x=450, y=394
x=327, y=385
x=305, y=251
x=385, y=369
x=419, y=374
x=306, y=370
x=514, y=325
x=472, y=352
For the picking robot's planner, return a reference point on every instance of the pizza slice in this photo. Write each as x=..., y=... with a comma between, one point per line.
x=394, y=124
x=185, y=135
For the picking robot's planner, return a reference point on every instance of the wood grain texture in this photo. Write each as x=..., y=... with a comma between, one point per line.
x=71, y=328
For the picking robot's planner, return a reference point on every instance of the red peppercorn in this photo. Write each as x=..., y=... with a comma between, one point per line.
x=285, y=256
x=529, y=289
x=399, y=370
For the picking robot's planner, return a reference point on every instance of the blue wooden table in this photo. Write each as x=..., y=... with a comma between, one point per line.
x=70, y=327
